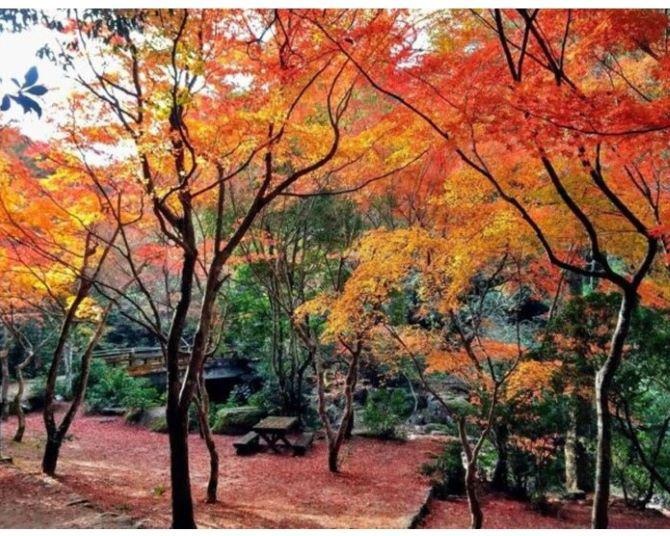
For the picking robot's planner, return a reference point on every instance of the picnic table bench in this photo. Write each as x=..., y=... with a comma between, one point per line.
x=274, y=429
x=303, y=442
x=246, y=444
x=274, y=432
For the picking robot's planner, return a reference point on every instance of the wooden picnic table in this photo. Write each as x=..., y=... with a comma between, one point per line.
x=274, y=430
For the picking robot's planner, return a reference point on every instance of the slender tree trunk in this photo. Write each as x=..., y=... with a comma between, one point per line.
x=350, y=422
x=20, y=416
x=176, y=415
x=68, y=370
x=202, y=405
x=52, y=448
x=335, y=438
x=570, y=451
x=336, y=444
x=603, y=384
x=476, y=515
x=56, y=433
x=51, y=453
x=182, y=501
x=4, y=386
x=500, y=480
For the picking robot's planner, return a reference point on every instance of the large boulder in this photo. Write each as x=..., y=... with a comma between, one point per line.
x=152, y=418
x=33, y=396
x=235, y=421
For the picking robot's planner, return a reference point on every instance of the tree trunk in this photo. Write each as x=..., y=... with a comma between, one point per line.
x=52, y=448
x=570, y=451
x=603, y=384
x=4, y=387
x=51, y=453
x=334, y=438
x=68, y=370
x=202, y=405
x=500, y=480
x=347, y=419
x=20, y=416
x=333, y=453
x=350, y=427
x=56, y=433
x=182, y=502
x=476, y=515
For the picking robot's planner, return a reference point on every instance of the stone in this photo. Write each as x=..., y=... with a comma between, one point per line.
x=112, y=412
x=574, y=495
x=236, y=421
x=152, y=418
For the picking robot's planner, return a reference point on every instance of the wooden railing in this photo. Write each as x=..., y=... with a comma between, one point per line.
x=140, y=361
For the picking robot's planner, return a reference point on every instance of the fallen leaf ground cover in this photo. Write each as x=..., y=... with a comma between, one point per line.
x=501, y=512
x=125, y=469
x=116, y=475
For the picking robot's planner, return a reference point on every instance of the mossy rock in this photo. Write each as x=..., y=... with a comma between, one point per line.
x=235, y=421
x=438, y=428
x=159, y=425
x=151, y=418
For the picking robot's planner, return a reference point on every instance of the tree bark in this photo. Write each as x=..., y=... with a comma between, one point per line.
x=476, y=515
x=182, y=501
x=500, y=480
x=202, y=405
x=51, y=453
x=4, y=386
x=53, y=443
x=176, y=414
x=335, y=444
x=570, y=451
x=603, y=384
x=20, y=416
x=335, y=438
x=56, y=433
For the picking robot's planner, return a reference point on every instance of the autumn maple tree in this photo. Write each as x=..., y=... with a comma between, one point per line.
x=216, y=131
x=455, y=165
x=552, y=119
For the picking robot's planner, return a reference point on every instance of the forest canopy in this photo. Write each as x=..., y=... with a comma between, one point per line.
x=380, y=212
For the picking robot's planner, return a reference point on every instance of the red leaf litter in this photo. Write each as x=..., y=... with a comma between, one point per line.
x=502, y=512
x=118, y=475
x=124, y=468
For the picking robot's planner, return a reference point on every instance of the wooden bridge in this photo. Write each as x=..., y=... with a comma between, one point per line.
x=140, y=361
x=221, y=374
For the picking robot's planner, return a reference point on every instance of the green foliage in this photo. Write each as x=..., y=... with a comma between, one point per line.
x=629, y=475
x=385, y=409
x=114, y=387
x=239, y=395
x=643, y=390
x=236, y=420
x=248, y=312
x=159, y=425
x=446, y=471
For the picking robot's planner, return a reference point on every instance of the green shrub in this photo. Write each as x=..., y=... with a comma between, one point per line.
x=446, y=472
x=159, y=425
x=114, y=387
x=385, y=409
